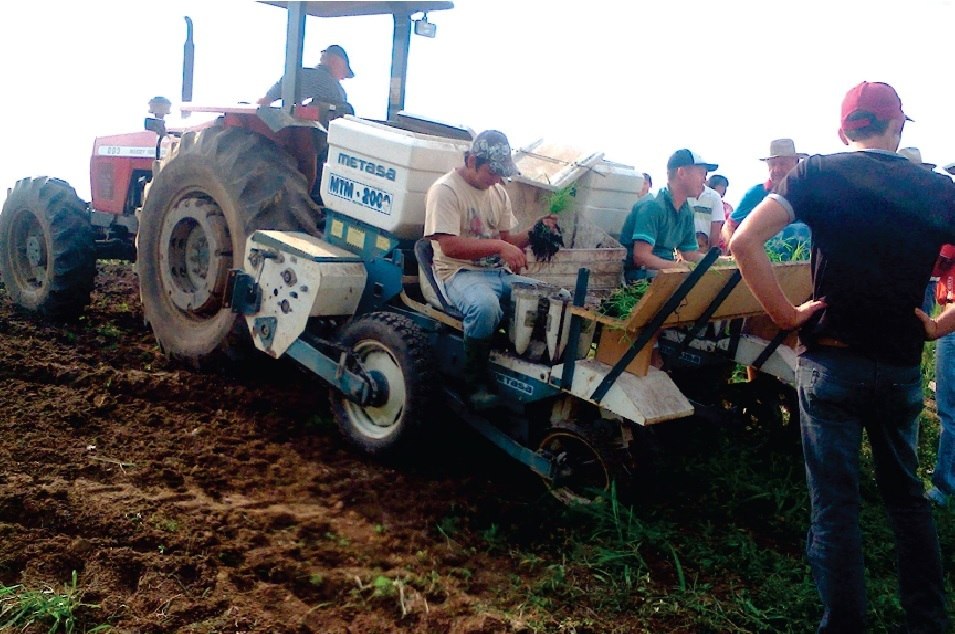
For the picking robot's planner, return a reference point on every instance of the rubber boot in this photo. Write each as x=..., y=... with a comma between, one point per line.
x=477, y=356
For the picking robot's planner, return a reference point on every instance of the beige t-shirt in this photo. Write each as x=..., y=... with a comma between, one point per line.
x=456, y=208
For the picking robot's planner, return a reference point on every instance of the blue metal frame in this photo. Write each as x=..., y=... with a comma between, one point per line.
x=361, y=238
x=332, y=370
x=379, y=250
x=533, y=460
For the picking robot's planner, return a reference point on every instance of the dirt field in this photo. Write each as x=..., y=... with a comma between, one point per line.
x=191, y=502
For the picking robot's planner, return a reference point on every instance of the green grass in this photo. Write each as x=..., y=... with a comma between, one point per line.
x=21, y=608
x=716, y=544
x=110, y=331
x=788, y=250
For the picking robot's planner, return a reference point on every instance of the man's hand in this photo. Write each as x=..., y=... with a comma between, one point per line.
x=550, y=220
x=799, y=314
x=515, y=257
x=930, y=325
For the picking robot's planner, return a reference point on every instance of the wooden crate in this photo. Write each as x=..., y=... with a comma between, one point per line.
x=606, y=268
x=794, y=278
x=618, y=334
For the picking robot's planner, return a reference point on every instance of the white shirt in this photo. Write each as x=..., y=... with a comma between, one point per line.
x=706, y=209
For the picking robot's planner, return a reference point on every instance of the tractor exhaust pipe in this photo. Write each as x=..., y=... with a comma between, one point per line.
x=188, y=60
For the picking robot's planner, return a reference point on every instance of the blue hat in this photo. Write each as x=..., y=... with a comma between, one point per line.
x=684, y=157
x=335, y=49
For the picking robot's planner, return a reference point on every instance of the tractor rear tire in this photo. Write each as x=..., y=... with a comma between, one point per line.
x=392, y=346
x=201, y=207
x=47, y=248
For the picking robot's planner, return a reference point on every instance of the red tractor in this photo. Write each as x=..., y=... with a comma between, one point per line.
x=254, y=168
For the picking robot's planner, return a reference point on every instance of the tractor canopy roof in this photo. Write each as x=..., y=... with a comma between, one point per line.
x=342, y=9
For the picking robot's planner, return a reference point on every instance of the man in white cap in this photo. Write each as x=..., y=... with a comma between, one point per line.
x=782, y=158
x=915, y=155
x=659, y=225
x=322, y=83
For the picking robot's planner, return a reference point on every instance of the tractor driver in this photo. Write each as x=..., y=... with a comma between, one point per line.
x=469, y=219
x=322, y=83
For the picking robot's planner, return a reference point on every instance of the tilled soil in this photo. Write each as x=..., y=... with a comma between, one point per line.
x=213, y=502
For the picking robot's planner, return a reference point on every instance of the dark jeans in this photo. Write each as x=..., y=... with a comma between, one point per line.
x=840, y=394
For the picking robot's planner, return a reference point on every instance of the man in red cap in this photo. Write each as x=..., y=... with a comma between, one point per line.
x=863, y=335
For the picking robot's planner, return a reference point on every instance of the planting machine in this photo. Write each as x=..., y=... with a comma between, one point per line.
x=234, y=252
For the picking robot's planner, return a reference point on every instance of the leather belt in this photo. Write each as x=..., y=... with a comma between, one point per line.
x=831, y=343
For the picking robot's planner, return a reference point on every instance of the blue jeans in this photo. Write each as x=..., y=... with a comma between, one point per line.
x=840, y=394
x=480, y=296
x=928, y=303
x=944, y=476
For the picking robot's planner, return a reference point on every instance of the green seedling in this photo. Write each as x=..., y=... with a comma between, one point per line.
x=22, y=608
x=622, y=300
x=560, y=200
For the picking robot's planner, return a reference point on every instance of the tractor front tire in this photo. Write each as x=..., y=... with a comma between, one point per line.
x=394, y=349
x=47, y=248
x=204, y=203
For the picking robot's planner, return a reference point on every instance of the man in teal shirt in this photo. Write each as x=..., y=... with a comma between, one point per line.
x=657, y=226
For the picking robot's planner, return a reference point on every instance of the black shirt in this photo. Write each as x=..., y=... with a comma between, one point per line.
x=878, y=222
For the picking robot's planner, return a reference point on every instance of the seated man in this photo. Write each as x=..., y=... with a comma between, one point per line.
x=468, y=217
x=322, y=83
x=661, y=224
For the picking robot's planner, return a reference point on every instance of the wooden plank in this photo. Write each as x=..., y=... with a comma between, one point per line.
x=793, y=277
x=605, y=264
x=613, y=344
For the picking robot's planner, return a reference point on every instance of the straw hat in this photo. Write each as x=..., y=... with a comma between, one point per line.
x=913, y=154
x=783, y=147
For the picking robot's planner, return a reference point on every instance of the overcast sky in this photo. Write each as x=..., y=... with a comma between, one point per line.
x=634, y=80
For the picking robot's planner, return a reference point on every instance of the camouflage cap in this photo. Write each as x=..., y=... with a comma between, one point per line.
x=493, y=147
